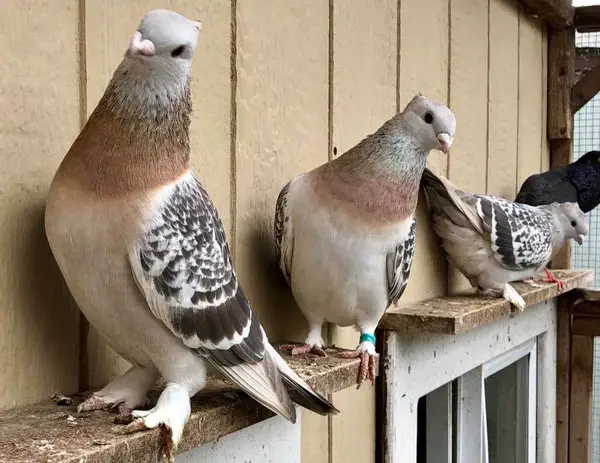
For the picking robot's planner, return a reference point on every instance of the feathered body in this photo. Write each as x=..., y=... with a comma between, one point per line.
x=579, y=182
x=493, y=241
x=143, y=250
x=345, y=232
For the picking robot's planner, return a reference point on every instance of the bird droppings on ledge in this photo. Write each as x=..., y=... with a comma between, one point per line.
x=47, y=433
x=458, y=314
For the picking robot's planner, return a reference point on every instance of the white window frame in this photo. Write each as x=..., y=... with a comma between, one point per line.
x=471, y=419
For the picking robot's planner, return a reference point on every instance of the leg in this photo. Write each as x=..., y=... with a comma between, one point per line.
x=314, y=342
x=366, y=352
x=550, y=278
x=171, y=413
x=185, y=376
x=127, y=391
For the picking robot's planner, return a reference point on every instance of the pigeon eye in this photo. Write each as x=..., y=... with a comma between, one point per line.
x=573, y=223
x=178, y=51
x=428, y=117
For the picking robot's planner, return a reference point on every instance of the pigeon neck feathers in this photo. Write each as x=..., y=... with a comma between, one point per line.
x=377, y=180
x=584, y=174
x=136, y=139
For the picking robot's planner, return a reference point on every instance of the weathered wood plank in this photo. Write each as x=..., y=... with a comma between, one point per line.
x=580, y=410
x=561, y=71
x=458, y=314
x=587, y=18
x=563, y=378
x=46, y=432
x=586, y=325
x=585, y=89
x=557, y=13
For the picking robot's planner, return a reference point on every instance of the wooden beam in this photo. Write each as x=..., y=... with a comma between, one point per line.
x=582, y=364
x=563, y=378
x=557, y=13
x=586, y=89
x=585, y=325
x=561, y=72
x=586, y=59
x=587, y=18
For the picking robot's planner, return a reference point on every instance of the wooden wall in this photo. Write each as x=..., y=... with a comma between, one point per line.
x=277, y=86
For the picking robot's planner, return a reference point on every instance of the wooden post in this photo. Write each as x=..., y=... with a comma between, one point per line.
x=582, y=365
x=561, y=74
x=557, y=13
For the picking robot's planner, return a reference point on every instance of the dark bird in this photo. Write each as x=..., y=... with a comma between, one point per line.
x=578, y=182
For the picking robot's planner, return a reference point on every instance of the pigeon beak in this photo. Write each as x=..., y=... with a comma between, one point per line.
x=580, y=239
x=197, y=24
x=445, y=141
x=139, y=46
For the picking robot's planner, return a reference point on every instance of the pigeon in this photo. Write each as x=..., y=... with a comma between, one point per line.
x=143, y=250
x=345, y=231
x=578, y=182
x=493, y=241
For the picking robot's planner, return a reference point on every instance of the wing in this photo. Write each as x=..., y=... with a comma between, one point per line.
x=399, y=264
x=284, y=235
x=183, y=267
x=520, y=235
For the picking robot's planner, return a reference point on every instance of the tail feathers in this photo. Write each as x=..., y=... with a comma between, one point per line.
x=263, y=382
x=300, y=392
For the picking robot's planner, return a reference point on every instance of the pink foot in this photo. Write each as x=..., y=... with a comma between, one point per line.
x=299, y=349
x=367, y=365
x=550, y=278
x=123, y=415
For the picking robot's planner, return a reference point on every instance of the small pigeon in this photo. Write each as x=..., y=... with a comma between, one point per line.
x=493, y=241
x=143, y=250
x=579, y=182
x=345, y=231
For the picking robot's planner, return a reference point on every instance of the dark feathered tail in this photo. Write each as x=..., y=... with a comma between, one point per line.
x=300, y=392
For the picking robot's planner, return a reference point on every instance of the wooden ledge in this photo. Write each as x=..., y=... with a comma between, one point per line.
x=458, y=314
x=48, y=432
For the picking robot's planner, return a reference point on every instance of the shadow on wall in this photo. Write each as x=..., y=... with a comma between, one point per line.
x=37, y=308
x=271, y=296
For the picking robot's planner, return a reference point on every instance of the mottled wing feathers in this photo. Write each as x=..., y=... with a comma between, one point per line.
x=399, y=264
x=283, y=233
x=183, y=266
x=520, y=236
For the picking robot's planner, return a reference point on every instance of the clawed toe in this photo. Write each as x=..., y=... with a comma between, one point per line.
x=299, y=349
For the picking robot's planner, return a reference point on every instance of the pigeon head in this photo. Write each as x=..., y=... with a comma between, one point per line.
x=573, y=221
x=431, y=123
x=165, y=41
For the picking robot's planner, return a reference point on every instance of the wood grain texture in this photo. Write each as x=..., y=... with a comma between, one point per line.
x=561, y=74
x=109, y=26
x=530, y=98
x=282, y=131
x=563, y=377
x=467, y=161
x=364, y=97
x=585, y=89
x=39, y=99
x=426, y=71
x=45, y=432
x=503, y=98
x=557, y=13
x=458, y=314
x=580, y=409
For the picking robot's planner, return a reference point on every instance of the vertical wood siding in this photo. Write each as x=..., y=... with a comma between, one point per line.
x=276, y=87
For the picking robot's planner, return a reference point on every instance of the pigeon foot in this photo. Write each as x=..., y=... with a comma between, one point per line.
x=366, y=352
x=170, y=414
x=550, y=278
x=299, y=349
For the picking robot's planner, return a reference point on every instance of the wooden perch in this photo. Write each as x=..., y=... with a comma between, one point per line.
x=586, y=59
x=584, y=90
x=557, y=13
x=587, y=18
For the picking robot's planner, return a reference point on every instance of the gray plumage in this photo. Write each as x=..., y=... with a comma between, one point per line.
x=493, y=241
